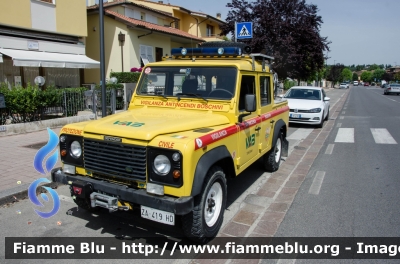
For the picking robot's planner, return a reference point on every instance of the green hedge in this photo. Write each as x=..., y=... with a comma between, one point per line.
x=28, y=104
x=126, y=77
x=288, y=84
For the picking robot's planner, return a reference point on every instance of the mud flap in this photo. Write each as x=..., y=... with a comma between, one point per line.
x=285, y=148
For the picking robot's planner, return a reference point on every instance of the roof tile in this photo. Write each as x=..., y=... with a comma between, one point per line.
x=155, y=27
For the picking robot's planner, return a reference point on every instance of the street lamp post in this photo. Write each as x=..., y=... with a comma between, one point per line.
x=121, y=38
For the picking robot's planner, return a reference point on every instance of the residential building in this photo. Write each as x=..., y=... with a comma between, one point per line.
x=44, y=38
x=149, y=29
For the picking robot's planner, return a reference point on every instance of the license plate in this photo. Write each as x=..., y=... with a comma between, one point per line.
x=295, y=116
x=157, y=215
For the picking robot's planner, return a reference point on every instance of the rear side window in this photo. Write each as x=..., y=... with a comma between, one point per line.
x=264, y=90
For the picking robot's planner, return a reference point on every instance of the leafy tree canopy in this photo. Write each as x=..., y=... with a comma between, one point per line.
x=366, y=76
x=377, y=74
x=285, y=29
x=335, y=73
x=355, y=77
x=387, y=76
x=346, y=74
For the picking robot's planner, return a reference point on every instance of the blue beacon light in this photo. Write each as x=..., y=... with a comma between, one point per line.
x=207, y=51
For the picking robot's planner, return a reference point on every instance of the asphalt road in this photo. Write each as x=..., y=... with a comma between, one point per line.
x=352, y=189
x=19, y=219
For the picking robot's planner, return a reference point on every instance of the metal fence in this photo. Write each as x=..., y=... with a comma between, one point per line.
x=70, y=103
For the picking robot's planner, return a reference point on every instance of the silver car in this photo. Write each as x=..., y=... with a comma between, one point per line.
x=392, y=88
x=344, y=86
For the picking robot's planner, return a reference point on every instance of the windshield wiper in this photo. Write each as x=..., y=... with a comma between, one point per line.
x=190, y=94
x=155, y=93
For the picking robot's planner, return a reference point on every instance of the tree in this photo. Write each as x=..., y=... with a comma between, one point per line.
x=373, y=67
x=346, y=74
x=366, y=76
x=355, y=77
x=377, y=74
x=397, y=76
x=288, y=30
x=359, y=67
x=387, y=76
x=334, y=74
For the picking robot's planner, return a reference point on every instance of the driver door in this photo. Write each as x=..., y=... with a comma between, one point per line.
x=248, y=135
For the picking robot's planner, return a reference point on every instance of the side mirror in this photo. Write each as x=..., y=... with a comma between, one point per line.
x=249, y=106
x=327, y=99
x=250, y=103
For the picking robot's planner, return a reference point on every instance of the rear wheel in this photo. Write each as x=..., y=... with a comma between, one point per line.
x=272, y=158
x=204, y=222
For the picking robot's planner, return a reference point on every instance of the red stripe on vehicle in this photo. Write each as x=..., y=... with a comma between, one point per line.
x=215, y=136
x=226, y=132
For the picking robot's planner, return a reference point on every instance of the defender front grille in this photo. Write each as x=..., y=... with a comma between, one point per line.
x=115, y=159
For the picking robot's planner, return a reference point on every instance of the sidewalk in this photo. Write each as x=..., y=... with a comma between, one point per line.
x=16, y=162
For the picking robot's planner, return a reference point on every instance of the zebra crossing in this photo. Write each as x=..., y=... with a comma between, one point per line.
x=380, y=135
x=344, y=135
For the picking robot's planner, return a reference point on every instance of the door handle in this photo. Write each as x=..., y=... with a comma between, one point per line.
x=257, y=128
x=272, y=121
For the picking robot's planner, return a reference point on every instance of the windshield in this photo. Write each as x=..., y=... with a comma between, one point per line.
x=307, y=94
x=196, y=82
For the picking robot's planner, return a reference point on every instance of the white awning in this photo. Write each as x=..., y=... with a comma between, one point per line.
x=49, y=59
x=1, y=58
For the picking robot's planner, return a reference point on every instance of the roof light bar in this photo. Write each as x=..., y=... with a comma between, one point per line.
x=209, y=51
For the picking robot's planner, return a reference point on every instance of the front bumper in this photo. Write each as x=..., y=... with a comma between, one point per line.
x=306, y=118
x=178, y=206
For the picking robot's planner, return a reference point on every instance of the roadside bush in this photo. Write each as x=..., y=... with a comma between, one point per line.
x=33, y=104
x=126, y=77
x=288, y=84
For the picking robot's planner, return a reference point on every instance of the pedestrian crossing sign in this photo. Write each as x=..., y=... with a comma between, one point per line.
x=244, y=30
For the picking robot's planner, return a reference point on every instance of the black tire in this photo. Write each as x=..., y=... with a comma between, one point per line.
x=272, y=158
x=321, y=125
x=327, y=116
x=195, y=224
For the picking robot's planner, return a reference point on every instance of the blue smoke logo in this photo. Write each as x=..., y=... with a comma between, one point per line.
x=44, y=151
x=50, y=163
x=34, y=199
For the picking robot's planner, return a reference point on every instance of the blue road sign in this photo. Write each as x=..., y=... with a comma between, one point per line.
x=244, y=30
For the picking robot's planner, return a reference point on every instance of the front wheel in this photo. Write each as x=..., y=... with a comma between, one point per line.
x=321, y=124
x=272, y=158
x=204, y=222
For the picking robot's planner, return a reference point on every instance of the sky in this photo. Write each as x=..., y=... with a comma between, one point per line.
x=361, y=31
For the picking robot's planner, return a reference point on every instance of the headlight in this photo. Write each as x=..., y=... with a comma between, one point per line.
x=162, y=165
x=314, y=110
x=76, y=149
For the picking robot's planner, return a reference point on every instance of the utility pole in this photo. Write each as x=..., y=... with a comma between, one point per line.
x=102, y=62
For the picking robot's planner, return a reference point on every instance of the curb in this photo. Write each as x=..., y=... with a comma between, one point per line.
x=14, y=195
x=16, y=129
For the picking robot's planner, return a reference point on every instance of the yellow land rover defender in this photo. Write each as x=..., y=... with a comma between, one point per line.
x=196, y=118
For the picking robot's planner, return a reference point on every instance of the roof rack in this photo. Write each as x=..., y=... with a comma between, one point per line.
x=265, y=58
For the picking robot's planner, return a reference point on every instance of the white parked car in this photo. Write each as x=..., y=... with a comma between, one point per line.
x=344, y=86
x=308, y=105
x=355, y=83
x=392, y=88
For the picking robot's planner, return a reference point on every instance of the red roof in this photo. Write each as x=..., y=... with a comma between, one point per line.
x=151, y=26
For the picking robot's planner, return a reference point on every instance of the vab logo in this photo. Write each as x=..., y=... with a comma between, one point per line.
x=250, y=141
x=126, y=123
x=50, y=163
